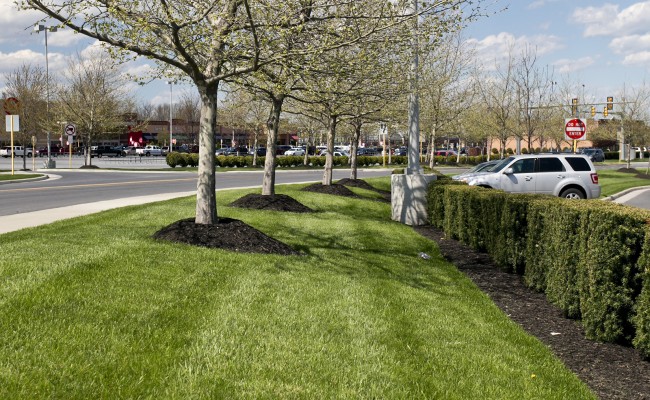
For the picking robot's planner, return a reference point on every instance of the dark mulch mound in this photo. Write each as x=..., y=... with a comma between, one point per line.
x=360, y=183
x=635, y=172
x=227, y=234
x=611, y=371
x=334, y=188
x=276, y=202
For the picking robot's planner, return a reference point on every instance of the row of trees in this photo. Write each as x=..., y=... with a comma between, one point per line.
x=324, y=62
x=332, y=55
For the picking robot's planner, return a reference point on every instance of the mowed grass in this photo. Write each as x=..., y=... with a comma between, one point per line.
x=9, y=177
x=612, y=182
x=94, y=308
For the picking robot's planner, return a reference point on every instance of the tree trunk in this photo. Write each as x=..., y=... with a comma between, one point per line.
x=432, y=149
x=206, y=199
x=272, y=125
x=354, y=145
x=329, y=157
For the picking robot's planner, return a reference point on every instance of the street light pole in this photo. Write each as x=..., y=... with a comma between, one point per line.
x=414, y=106
x=38, y=28
x=171, y=85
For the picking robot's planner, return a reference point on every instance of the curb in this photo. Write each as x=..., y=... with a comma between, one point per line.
x=624, y=192
x=40, y=178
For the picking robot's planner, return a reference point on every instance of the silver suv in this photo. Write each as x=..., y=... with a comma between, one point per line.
x=571, y=176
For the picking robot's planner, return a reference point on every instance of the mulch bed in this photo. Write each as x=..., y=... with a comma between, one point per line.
x=611, y=371
x=276, y=202
x=335, y=189
x=227, y=233
x=635, y=172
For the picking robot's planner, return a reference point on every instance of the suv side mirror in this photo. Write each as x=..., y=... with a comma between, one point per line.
x=509, y=171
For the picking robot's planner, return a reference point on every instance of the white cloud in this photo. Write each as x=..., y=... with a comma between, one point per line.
x=607, y=20
x=565, y=66
x=641, y=58
x=630, y=44
x=495, y=49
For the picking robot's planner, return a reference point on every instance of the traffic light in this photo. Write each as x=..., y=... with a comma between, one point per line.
x=610, y=103
x=593, y=111
x=574, y=106
x=605, y=111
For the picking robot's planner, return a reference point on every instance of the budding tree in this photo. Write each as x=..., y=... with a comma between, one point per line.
x=208, y=41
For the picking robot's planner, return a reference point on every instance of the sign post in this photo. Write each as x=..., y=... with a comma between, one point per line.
x=33, y=153
x=12, y=109
x=575, y=129
x=70, y=130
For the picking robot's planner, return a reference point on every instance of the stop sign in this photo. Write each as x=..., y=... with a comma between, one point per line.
x=575, y=129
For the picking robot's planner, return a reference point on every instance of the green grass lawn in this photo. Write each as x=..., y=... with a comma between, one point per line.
x=612, y=182
x=94, y=308
x=9, y=177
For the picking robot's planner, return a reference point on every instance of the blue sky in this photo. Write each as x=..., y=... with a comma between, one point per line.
x=597, y=45
x=602, y=45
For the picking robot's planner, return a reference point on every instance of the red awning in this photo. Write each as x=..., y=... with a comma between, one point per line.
x=294, y=137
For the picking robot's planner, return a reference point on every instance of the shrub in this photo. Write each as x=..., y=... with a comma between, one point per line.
x=608, y=275
x=495, y=151
x=193, y=159
x=172, y=159
x=182, y=160
x=509, y=249
x=641, y=318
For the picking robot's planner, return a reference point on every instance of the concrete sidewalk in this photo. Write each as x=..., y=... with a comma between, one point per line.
x=10, y=223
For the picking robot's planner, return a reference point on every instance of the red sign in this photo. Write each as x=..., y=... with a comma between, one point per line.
x=11, y=106
x=575, y=129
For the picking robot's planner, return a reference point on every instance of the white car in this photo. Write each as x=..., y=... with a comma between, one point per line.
x=295, y=151
x=336, y=153
x=571, y=176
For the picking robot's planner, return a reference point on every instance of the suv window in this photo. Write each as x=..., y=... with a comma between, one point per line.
x=550, y=164
x=578, y=163
x=524, y=166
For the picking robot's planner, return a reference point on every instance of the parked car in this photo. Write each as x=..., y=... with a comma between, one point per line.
x=261, y=151
x=401, y=151
x=42, y=151
x=110, y=151
x=336, y=153
x=128, y=151
x=281, y=148
x=482, y=168
x=366, y=151
x=445, y=153
x=570, y=176
x=18, y=151
x=149, y=150
x=222, y=151
x=596, y=155
x=237, y=151
x=164, y=150
x=295, y=151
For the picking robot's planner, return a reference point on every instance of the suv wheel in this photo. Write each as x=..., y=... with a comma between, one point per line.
x=573, y=194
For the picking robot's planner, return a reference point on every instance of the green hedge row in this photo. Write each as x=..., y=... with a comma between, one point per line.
x=184, y=159
x=590, y=258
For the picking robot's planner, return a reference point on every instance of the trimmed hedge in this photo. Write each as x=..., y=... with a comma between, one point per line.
x=591, y=258
x=184, y=159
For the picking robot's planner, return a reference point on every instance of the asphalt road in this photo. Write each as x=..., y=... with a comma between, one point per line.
x=67, y=187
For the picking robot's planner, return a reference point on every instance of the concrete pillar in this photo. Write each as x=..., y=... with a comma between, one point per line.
x=409, y=198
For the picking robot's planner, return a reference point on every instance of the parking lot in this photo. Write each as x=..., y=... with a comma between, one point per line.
x=74, y=162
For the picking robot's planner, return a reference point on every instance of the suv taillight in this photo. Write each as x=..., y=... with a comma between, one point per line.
x=594, y=178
